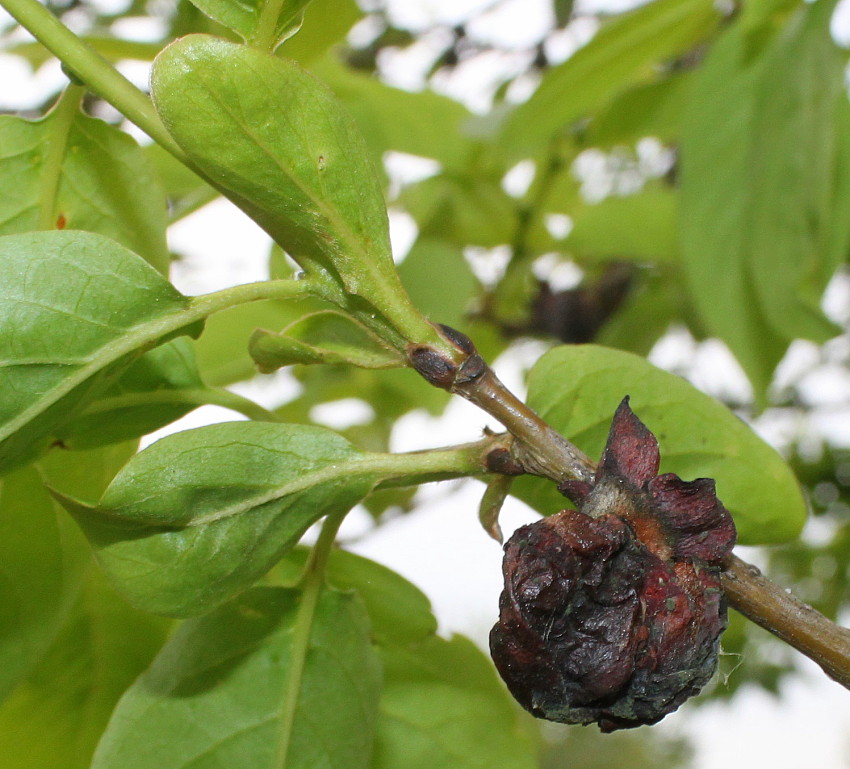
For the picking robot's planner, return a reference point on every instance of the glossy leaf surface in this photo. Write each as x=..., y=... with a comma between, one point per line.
x=202, y=514
x=67, y=328
x=280, y=145
x=576, y=390
x=442, y=704
x=231, y=688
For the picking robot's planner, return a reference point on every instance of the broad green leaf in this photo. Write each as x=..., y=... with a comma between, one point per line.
x=42, y=557
x=75, y=310
x=642, y=227
x=160, y=387
x=439, y=281
x=84, y=474
x=443, y=707
x=765, y=210
x=322, y=337
x=99, y=181
x=202, y=514
x=651, y=109
x=280, y=145
x=235, y=688
x=40, y=573
x=464, y=210
x=279, y=19
x=576, y=390
x=399, y=612
x=391, y=119
x=54, y=719
x=626, y=51
x=326, y=22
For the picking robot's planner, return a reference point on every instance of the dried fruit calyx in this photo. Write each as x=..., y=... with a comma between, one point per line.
x=611, y=613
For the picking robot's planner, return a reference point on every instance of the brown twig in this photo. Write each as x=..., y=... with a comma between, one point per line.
x=788, y=618
x=540, y=450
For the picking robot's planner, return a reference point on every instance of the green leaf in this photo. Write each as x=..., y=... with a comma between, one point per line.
x=576, y=390
x=399, y=612
x=326, y=22
x=233, y=689
x=75, y=309
x=765, y=210
x=322, y=337
x=278, y=143
x=462, y=210
x=439, y=281
x=202, y=514
x=642, y=227
x=222, y=350
x=102, y=182
x=54, y=719
x=626, y=51
x=42, y=557
x=160, y=387
x=39, y=573
x=651, y=109
x=391, y=119
x=283, y=18
x=443, y=707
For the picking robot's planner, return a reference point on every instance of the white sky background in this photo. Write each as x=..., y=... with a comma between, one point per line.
x=441, y=547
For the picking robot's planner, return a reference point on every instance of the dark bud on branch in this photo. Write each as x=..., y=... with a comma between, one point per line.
x=611, y=613
x=445, y=373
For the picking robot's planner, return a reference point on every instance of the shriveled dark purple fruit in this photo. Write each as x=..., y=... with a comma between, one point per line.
x=611, y=613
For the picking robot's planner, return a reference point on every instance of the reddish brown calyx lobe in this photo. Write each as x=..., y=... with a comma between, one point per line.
x=672, y=517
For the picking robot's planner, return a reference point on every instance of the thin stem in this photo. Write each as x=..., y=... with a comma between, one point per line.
x=312, y=581
x=90, y=67
x=61, y=119
x=200, y=396
x=264, y=36
x=217, y=396
x=788, y=618
x=207, y=304
x=539, y=450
